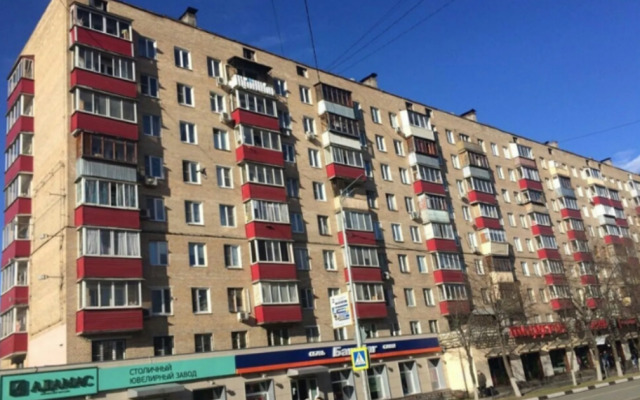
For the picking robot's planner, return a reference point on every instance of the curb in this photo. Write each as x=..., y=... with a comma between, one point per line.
x=584, y=389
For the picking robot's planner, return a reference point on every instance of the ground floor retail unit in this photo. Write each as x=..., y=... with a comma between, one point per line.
x=399, y=367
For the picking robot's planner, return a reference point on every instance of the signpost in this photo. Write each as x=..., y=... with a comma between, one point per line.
x=359, y=359
x=340, y=310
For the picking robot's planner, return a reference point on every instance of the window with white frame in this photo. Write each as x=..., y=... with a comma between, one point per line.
x=314, y=158
x=415, y=234
x=363, y=256
x=110, y=294
x=106, y=193
x=301, y=258
x=200, y=300
x=289, y=153
x=151, y=125
x=305, y=95
x=155, y=209
x=422, y=264
x=263, y=174
x=386, y=172
x=232, y=256
x=428, y=297
x=197, y=255
x=147, y=48
x=214, y=68
x=319, y=192
x=216, y=102
x=398, y=147
x=109, y=242
x=293, y=187
x=309, y=125
x=404, y=176
x=329, y=260
x=280, y=87
x=99, y=104
x=260, y=138
x=188, y=132
x=220, y=139
x=224, y=177
x=108, y=350
x=380, y=144
x=182, y=58
x=375, y=115
x=158, y=253
x=185, y=94
x=191, y=172
x=277, y=251
x=268, y=211
x=396, y=231
x=391, y=202
x=258, y=104
x=447, y=261
x=149, y=85
x=403, y=263
x=161, y=301
x=227, y=215
x=193, y=212
x=358, y=220
x=323, y=225
x=451, y=292
x=369, y=292
x=278, y=292
x=429, y=174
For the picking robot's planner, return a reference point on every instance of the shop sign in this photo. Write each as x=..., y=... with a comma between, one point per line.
x=537, y=330
x=340, y=310
x=158, y=373
x=50, y=385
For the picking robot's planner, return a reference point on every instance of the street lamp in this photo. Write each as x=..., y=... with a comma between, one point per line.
x=351, y=287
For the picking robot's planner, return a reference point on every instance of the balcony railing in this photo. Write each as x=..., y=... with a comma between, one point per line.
x=253, y=85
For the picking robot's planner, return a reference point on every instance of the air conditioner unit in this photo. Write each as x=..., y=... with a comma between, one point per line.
x=398, y=129
x=386, y=275
x=145, y=213
x=243, y=316
x=310, y=135
x=220, y=81
x=225, y=117
x=415, y=215
x=151, y=181
x=285, y=131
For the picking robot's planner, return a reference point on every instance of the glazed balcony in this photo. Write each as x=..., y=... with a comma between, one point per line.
x=555, y=169
x=273, y=271
x=20, y=206
x=595, y=180
x=257, y=191
x=246, y=117
x=371, y=309
x=464, y=146
x=588, y=279
x=420, y=187
x=555, y=279
x=617, y=204
x=582, y=256
x=530, y=184
x=82, y=121
x=549, y=254
x=260, y=155
x=24, y=123
x=364, y=274
x=561, y=304
x=612, y=239
x=501, y=277
x=422, y=159
x=89, y=322
x=455, y=307
x=442, y=245
x=428, y=216
x=107, y=216
x=486, y=222
x=593, y=302
x=277, y=314
x=101, y=30
x=622, y=222
x=476, y=196
x=600, y=200
x=104, y=83
x=448, y=276
x=577, y=235
x=109, y=267
x=570, y=213
x=16, y=296
x=564, y=192
x=525, y=162
x=341, y=171
x=358, y=238
x=358, y=203
x=251, y=85
x=13, y=345
x=21, y=79
x=541, y=230
x=19, y=248
x=416, y=124
x=422, y=147
x=476, y=172
x=268, y=230
x=22, y=164
x=334, y=100
x=494, y=249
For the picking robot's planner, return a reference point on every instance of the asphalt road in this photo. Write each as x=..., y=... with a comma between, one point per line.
x=621, y=391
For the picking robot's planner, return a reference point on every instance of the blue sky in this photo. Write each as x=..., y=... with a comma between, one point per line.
x=545, y=69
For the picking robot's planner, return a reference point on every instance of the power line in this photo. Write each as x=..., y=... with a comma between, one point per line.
x=275, y=15
x=313, y=43
x=371, y=28
x=425, y=19
x=600, y=131
x=378, y=35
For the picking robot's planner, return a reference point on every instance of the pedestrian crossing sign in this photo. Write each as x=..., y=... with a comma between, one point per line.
x=359, y=359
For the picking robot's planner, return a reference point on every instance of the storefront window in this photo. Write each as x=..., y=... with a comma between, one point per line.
x=378, y=382
x=436, y=375
x=262, y=390
x=342, y=385
x=216, y=393
x=409, y=378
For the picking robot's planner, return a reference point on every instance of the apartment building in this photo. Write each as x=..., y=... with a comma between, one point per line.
x=174, y=227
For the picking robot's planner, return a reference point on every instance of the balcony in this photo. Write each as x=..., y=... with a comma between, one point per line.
x=593, y=303
x=442, y=245
x=20, y=206
x=421, y=159
x=364, y=274
x=358, y=238
x=599, y=324
x=475, y=196
x=325, y=106
x=564, y=192
x=109, y=267
x=538, y=230
x=24, y=123
x=433, y=216
x=81, y=121
x=14, y=345
x=463, y=146
x=260, y=155
x=494, y=248
x=558, y=170
x=588, y=280
x=455, y=307
x=371, y=310
x=612, y=239
x=252, y=85
x=341, y=171
x=561, y=304
x=582, y=256
x=570, y=213
x=23, y=163
x=530, y=184
x=17, y=295
x=448, y=276
x=485, y=222
x=617, y=204
x=591, y=180
x=410, y=129
x=577, y=235
x=525, y=162
x=358, y=203
x=104, y=83
x=107, y=216
x=273, y=271
x=109, y=320
x=471, y=171
x=268, y=230
x=21, y=80
x=501, y=277
x=93, y=38
x=555, y=279
x=277, y=314
x=533, y=207
x=341, y=140
x=257, y=191
x=17, y=249
x=420, y=187
x=245, y=117
x=622, y=222
x=549, y=254
x=605, y=201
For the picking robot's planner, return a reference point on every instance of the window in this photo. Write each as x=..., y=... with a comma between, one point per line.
x=479, y=266
x=161, y=301
x=455, y=161
x=289, y=153
x=525, y=268
x=378, y=382
x=108, y=350
x=323, y=225
x=214, y=68
x=329, y=260
x=146, y=48
x=109, y=242
x=398, y=147
x=220, y=139
x=415, y=328
x=422, y=264
x=494, y=150
x=461, y=189
x=403, y=263
x=270, y=251
x=409, y=298
x=263, y=174
x=372, y=201
x=277, y=337
x=505, y=196
x=149, y=85
x=363, y=256
x=450, y=292
x=155, y=209
x=232, y=256
x=393, y=120
x=197, y=255
x=396, y=230
x=404, y=176
x=433, y=326
x=297, y=223
x=386, y=172
x=301, y=71
x=447, y=261
x=162, y=345
x=182, y=58
x=529, y=245
x=193, y=212
x=200, y=301
x=511, y=219
x=227, y=215
x=305, y=95
x=415, y=234
x=450, y=137
x=351, y=158
x=203, y=343
x=188, y=133
x=312, y=333
x=375, y=115
x=109, y=294
x=239, y=341
x=369, y=292
x=292, y=186
x=191, y=172
x=380, y=144
x=280, y=87
x=428, y=297
x=301, y=258
x=307, y=299
x=224, y=177
x=314, y=158
x=185, y=94
x=466, y=214
x=106, y=193
x=391, y=202
x=318, y=191
x=99, y=62
x=255, y=103
x=158, y=253
x=443, y=231
x=98, y=104
x=151, y=125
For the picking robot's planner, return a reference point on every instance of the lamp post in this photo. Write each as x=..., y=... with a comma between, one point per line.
x=351, y=286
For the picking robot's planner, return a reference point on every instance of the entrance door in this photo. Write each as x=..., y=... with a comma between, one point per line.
x=304, y=389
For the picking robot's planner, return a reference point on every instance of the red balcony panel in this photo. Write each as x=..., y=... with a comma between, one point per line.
x=13, y=345
x=103, y=83
x=273, y=271
x=551, y=254
x=371, y=310
x=616, y=204
x=484, y=222
x=599, y=324
x=448, y=276
x=22, y=124
x=555, y=279
x=622, y=222
x=267, y=230
x=335, y=170
x=103, y=321
x=569, y=213
x=638, y=210
x=588, y=279
x=20, y=206
x=601, y=200
x=108, y=126
x=611, y=239
x=526, y=162
x=21, y=164
x=263, y=192
x=364, y=274
x=537, y=330
x=541, y=230
x=17, y=295
x=245, y=117
x=105, y=216
x=481, y=197
x=455, y=307
x=108, y=267
x=593, y=303
x=560, y=304
x=17, y=249
x=276, y=314
x=577, y=235
x=445, y=245
x=101, y=40
x=358, y=238
x=259, y=155
x=420, y=187
x=529, y=184
x=579, y=256
x=24, y=86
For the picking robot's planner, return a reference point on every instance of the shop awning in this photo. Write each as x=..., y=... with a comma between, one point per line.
x=556, y=344
x=156, y=390
x=600, y=340
x=319, y=369
x=527, y=348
